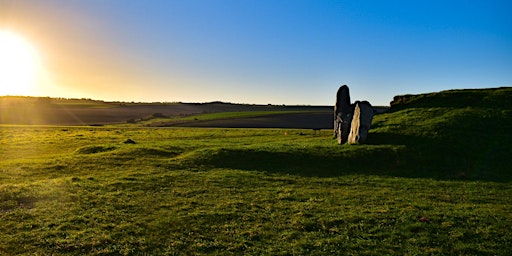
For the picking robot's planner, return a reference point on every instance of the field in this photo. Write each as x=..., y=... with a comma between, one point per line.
x=434, y=178
x=56, y=111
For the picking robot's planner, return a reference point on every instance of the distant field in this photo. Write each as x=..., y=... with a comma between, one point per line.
x=434, y=178
x=253, y=119
x=49, y=111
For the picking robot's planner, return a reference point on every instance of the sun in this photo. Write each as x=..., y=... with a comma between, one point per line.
x=19, y=65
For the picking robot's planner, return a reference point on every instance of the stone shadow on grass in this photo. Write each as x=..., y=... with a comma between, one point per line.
x=384, y=155
x=456, y=155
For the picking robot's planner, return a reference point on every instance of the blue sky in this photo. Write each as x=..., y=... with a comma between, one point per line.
x=264, y=51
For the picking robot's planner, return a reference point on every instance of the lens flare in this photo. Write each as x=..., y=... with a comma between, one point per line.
x=19, y=65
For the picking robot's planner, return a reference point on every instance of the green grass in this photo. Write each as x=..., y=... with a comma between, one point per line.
x=212, y=116
x=229, y=115
x=428, y=181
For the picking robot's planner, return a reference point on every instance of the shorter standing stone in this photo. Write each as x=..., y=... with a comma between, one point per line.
x=361, y=122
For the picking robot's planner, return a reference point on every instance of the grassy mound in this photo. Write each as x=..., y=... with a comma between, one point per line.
x=145, y=152
x=465, y=133
x=497, y=98
x=315, y=161
x=94, y=149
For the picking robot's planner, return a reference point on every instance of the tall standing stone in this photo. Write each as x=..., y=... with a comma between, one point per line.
x=361, y=122
x=342, y=114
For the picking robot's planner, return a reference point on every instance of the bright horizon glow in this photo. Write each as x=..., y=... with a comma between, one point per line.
x=293, y=52
x=19, y=65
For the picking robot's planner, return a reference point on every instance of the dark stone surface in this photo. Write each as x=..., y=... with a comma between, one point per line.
x=351, y=121
x=342, y=114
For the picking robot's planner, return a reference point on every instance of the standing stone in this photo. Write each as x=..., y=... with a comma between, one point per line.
x=361, y=121
x=342, y=114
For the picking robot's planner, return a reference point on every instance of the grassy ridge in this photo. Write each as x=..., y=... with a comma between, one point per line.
x=464, y=131
x=421, y=186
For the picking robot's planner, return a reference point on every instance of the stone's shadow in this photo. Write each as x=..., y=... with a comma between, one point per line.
x=396, y=139
x=451, y=157
x=296, y=163
x=384, y=154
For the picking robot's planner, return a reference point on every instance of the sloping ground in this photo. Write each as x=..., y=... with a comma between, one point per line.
x=80, y=191
x=458, y=132
x=498, y=98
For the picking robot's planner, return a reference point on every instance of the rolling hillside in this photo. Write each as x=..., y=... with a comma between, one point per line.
x=434, y=178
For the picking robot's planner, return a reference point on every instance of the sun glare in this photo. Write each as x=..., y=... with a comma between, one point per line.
x=19, y=65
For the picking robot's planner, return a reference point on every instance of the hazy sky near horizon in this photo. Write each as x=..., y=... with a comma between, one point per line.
x=263, y=51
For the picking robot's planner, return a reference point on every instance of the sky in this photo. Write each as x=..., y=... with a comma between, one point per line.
x=293, y=52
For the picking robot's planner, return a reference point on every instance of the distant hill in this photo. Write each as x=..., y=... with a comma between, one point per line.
x=59, y=111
